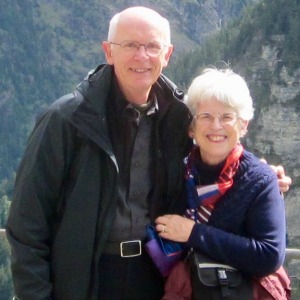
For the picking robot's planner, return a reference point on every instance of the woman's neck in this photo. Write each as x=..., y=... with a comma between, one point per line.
x=208, y=174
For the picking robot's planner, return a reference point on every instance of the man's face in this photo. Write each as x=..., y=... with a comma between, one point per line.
x=136, y=71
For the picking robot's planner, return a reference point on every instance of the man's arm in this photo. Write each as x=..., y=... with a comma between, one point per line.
x=36, y=196
x=284, y=181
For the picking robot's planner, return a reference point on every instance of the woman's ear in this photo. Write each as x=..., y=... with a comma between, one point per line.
x=244, y=127
x=191, y=132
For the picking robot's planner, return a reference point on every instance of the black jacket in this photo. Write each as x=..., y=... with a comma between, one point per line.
x=63, y=205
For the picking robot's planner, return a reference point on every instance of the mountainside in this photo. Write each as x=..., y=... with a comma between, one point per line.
x=263, y=46
x=275, y=131
x=47, y=47
x=274, y=77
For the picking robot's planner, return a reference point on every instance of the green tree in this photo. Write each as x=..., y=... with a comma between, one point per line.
x=6, y=290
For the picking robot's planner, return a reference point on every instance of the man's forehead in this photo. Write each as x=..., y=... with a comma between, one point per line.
x=139, y=28
x=140, y=12
x=144, y=20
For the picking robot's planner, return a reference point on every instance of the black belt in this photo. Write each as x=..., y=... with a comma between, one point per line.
x=124, y=249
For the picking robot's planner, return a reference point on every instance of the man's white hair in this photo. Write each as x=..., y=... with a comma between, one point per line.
x=145, y=14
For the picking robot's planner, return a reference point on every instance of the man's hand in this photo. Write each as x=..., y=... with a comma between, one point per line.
x=284, y=181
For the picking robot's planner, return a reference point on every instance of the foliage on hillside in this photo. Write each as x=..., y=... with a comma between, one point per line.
x=48, y=46
x=5, y=276
x=29, y=75
x=247, y=34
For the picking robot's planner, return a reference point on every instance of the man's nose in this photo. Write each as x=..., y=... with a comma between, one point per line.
x=142, y=51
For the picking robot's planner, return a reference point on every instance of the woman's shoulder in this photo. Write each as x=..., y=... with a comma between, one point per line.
x=254, y=168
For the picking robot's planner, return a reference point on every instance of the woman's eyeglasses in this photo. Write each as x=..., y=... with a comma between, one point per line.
x=226, y=119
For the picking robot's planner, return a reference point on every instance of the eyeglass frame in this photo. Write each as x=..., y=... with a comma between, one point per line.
x=219, y=117
x=139, y=46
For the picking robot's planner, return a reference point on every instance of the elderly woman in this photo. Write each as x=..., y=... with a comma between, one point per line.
x=236, y=214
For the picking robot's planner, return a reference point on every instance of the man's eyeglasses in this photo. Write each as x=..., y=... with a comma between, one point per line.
x=206, y=119
x=153, y=49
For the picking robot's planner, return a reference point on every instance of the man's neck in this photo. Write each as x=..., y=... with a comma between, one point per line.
x=137, y=100
x=136, y=97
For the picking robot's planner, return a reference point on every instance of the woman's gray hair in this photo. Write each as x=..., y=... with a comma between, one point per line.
x=223, y=85
x=145, y=13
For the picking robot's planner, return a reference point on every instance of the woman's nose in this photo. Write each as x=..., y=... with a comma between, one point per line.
x=216, y=123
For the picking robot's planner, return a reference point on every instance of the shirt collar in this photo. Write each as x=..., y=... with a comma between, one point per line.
x=122, y=103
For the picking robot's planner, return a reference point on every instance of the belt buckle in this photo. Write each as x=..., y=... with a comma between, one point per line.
x=138, y=244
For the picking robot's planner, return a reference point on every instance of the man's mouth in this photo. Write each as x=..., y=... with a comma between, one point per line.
x=140, y=70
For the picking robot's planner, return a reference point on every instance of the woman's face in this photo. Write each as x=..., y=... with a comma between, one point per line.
x=216, y=129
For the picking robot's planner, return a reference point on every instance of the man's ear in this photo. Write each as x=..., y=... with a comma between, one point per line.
x=106, y=46
x=167, y=55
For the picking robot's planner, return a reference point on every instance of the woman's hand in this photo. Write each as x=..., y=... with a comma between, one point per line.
x=174, y=227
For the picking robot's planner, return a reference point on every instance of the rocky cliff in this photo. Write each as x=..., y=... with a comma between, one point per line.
x=275, y=132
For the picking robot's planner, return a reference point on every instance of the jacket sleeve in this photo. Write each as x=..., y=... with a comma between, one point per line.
x=261, y=250
x=34, y=205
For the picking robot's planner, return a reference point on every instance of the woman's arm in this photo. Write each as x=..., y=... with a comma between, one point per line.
x=259, y=254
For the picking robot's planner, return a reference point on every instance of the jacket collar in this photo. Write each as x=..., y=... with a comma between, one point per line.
x=90, y=116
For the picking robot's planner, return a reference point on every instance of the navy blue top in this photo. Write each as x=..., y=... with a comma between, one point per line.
x=247, y=227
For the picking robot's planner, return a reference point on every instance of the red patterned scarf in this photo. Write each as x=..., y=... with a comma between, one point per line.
x=202, y=199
